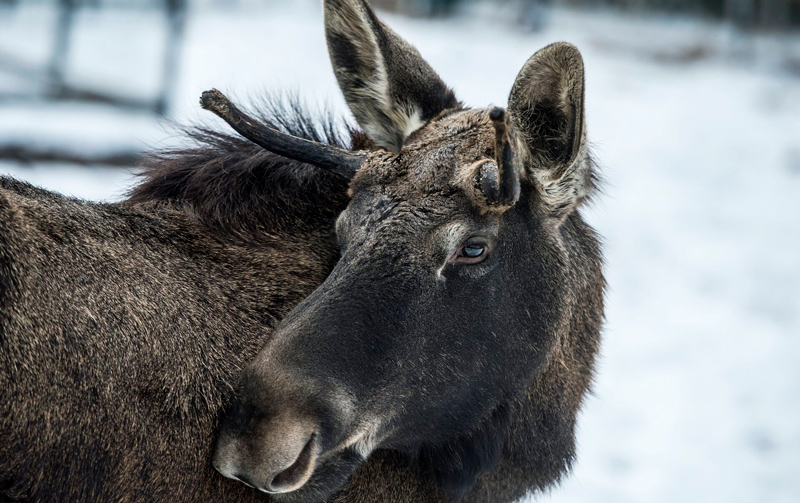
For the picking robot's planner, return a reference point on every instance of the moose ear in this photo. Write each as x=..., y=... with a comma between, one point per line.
x=547, y=113
x=390, y=89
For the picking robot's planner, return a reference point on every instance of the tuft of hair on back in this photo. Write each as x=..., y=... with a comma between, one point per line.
x=241, y=191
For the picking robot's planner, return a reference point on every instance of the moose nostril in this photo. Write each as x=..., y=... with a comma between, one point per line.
x=298, y=473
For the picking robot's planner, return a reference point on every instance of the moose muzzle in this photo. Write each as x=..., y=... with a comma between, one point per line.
x=274, y=456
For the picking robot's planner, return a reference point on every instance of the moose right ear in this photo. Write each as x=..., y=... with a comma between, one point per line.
x=547, y=113
x=389, y=88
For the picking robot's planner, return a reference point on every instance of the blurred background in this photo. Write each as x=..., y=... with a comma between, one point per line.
x=694, y=114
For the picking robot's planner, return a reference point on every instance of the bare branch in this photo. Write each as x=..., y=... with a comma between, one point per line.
x=25, y=154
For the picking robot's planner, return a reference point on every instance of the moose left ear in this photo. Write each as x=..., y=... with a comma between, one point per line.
x=547, y=113
x=389, y=88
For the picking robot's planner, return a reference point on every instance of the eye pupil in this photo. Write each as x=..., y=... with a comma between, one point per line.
x=474, y=251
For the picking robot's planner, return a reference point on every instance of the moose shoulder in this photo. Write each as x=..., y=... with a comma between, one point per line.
x=461, y=324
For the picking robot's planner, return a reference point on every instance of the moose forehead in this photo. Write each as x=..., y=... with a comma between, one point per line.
x=433, y=160
x=422, y=192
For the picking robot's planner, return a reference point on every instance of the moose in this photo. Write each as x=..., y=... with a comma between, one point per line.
x=441, y=300
x=460, y=324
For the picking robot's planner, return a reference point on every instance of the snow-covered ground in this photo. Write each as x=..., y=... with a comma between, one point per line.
x=697, y=396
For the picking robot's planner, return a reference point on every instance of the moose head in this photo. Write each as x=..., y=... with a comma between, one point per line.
x=461, y=323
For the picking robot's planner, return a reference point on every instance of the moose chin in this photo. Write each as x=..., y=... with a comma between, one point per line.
x=461, y=323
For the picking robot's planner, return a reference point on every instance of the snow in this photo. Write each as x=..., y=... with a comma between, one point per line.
x=94, y=183
x=79, y=128
x=697, y=130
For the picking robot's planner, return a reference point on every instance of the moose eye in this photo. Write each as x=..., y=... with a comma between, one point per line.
x=470, y=253
x=473, y=251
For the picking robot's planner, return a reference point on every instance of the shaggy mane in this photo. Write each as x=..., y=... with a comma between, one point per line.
x=241, y=191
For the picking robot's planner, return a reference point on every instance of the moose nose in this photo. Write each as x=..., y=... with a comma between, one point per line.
x=279, y=458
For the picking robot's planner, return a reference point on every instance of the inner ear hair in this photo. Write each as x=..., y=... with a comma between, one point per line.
x=389, y=87
x=547, y=114
x=546, y=106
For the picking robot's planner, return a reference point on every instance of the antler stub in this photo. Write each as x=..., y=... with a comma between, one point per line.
x=500, y=183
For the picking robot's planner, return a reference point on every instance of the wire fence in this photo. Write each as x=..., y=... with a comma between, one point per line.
x=751, y=14
x=50, y=80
